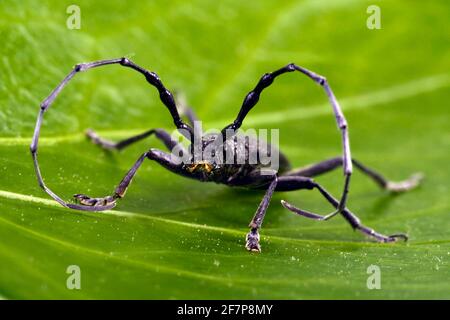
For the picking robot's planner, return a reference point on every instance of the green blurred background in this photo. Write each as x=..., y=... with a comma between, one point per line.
x=177, y=238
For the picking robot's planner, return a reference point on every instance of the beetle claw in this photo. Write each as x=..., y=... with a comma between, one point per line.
x=406, y=185
x=252, y=243
x=396, y=237
x=94, y=202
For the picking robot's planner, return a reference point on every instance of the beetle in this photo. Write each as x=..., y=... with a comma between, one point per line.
x=249, y=175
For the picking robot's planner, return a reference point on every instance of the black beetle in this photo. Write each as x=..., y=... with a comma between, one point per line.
x=245, y=174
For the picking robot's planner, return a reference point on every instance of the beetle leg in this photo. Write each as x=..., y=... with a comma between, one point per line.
x=119, y=191
x=287, y=183
x=161, y=134
x=252, y=238
x=162, y=158
x=331, y=164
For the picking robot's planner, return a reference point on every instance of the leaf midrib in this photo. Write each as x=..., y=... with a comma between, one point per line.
x=235, y=232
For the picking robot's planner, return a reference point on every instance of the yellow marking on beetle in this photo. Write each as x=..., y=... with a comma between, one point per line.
x=201, y=165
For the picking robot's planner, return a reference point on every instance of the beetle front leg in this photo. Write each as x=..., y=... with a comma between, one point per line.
x=118, y=193
x=252, y=238
x=99, y=204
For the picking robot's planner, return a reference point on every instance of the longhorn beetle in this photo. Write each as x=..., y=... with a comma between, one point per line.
x=234, y=174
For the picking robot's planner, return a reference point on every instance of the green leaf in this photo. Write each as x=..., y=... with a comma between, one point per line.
x=172, y=237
